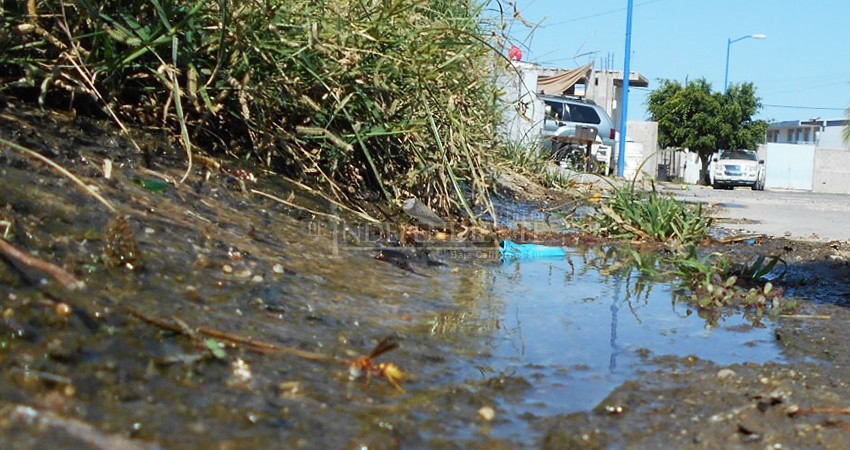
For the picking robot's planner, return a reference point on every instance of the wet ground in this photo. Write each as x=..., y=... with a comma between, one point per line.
x=247, y=303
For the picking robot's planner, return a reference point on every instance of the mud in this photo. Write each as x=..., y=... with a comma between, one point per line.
x=84, y=369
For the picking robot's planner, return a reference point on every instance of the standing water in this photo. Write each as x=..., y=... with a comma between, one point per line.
x=577, y=327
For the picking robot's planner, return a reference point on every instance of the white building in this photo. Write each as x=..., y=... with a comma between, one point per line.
x=821, y=133
x=808, y=155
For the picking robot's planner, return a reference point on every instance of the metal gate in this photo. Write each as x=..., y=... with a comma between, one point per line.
x=789, y=166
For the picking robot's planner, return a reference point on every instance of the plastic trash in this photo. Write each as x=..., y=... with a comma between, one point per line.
x=512, y=250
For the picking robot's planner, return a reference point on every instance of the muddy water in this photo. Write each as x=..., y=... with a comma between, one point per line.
x=528, y=339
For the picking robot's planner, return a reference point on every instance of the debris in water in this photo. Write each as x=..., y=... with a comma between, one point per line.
x=120, y=244
x=487, y=413
x=241, y=373
x=512, y=250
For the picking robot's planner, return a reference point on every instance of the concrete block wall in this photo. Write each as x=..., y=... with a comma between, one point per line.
x=645, y=133
x=832, y=171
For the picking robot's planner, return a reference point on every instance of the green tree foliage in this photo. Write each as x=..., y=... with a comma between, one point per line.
x=695, y=117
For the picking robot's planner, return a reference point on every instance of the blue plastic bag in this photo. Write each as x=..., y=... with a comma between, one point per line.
x=512, y=250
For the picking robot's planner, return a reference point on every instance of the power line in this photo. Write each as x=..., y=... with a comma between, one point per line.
x=805, y=107
x=600, y=14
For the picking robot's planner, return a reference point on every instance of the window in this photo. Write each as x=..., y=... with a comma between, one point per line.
x=746, y=155
x=583, y=114
x=554, y=110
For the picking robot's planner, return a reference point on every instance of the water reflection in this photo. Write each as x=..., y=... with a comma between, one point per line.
x=578, y=327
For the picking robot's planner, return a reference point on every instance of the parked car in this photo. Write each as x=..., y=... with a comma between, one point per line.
x=570, y=123
x=737, y=168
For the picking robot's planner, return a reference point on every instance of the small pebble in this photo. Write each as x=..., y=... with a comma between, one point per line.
x=725, y=373
x=63, y=309
x=277, y=268
x=487, y=413
x=227, y=268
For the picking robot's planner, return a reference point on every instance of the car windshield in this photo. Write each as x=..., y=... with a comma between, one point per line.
x=739, y=154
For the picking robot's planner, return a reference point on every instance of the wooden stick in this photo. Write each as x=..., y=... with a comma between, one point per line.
x=249, y=342
x=804, y=316
x=27, y=416
x=61, y=170
x=824, y=410
x=746, y=237
x=22, y=258
x=293, y=205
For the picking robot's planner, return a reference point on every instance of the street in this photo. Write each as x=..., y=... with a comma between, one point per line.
x=790, y=214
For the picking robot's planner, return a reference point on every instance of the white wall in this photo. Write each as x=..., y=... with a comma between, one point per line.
x=832, y=170
x=789, y=166
x=523, y=111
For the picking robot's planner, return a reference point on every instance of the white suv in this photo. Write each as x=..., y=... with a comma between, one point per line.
x=737, y=168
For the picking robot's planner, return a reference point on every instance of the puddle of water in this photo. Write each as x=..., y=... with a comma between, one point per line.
x=576, y=331
x=568, y=331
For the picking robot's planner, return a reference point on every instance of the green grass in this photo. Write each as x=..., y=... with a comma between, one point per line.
x=714, y=282
x=531, y=161
x=631, y=213
x=396, y=97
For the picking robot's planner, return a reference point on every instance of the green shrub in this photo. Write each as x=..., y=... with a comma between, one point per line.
x=389, y=96
x=629, y=213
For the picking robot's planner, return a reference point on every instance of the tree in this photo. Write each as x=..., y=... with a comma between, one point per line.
x=694, y=117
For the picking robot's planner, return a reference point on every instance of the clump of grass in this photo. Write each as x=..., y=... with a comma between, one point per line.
x=529, y=160
x=629, y=213
x=393, y=97
x=715, y=282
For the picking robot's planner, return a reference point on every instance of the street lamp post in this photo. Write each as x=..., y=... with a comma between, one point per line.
x=729, y=43
x=624, y=114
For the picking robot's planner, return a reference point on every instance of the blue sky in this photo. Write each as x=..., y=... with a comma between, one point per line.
x=801, y=70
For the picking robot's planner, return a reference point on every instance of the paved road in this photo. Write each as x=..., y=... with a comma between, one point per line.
x=795, y=215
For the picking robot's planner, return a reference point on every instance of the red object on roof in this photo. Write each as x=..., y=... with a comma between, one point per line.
x=515, y=53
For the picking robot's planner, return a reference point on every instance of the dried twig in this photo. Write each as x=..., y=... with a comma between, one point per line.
x=28, y=261
x=805, y=316
x=179, y=326
x=360, y=213
x=293, y=205
x=27, y=152
x=824, y=410
x=84, y=432
x=746, y=237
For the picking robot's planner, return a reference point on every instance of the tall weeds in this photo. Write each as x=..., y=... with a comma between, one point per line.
x=395, y=97
x=650, y=216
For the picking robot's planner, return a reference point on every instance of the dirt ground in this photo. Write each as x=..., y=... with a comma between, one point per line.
x=52, y=376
